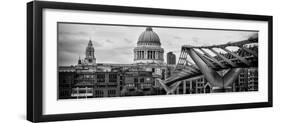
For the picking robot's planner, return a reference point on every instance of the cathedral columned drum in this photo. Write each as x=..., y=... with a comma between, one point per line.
x=149, y=48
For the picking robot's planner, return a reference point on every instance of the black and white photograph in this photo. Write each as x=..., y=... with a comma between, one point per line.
x=87, y=60
x=96, y=60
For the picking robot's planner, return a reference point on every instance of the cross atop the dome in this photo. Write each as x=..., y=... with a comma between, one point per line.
x=148, y=28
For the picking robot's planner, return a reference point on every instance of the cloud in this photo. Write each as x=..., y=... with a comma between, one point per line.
x=170, y=43
x=67, y=58
x=109, y=41
x=124, y=50
x=122, y=55
x=195, y=39
x=97, y=44
x=65, y=32
x=246, y=36
x=71, y=46
x=177, y=37
x=253, y=36
x=108, y=33
x=128, y=40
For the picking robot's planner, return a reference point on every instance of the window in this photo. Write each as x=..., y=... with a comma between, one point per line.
x=112, y=77
x=111, y=92
x=88, y=76
x=100, y=77
x=90, y=60
x=99, y=93
x=136, y=80
x=130, y=85
x=142, y=80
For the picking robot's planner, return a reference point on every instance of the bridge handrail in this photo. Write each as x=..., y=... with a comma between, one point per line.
x=238, y=43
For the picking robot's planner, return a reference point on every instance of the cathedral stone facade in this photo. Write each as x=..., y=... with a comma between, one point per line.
x=148, y=48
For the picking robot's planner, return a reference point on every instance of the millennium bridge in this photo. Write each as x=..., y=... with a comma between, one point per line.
x=206, y=60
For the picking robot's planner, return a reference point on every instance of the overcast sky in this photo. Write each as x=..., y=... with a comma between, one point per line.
x=114, y=44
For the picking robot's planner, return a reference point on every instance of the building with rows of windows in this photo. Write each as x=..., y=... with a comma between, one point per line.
x=247, y=81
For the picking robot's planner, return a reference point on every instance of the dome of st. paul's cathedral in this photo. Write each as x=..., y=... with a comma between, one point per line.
x=149, y=37
x=148, y=48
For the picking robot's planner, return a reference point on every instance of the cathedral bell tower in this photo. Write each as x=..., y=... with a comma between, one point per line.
x=90, y=54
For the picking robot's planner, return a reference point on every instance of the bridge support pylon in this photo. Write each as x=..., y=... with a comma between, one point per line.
x=169, y=90
x=217, y=80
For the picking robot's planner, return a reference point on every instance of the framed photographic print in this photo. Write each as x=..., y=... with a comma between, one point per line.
x=89, y=61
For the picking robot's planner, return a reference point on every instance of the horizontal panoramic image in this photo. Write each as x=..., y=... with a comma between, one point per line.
x=101, y=60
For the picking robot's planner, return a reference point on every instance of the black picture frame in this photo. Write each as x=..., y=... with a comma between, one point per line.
x=35, y=69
